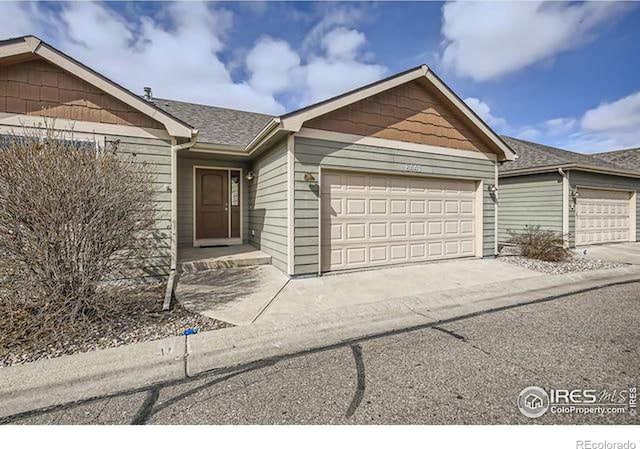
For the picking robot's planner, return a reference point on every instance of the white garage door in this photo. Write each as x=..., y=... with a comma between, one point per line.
x=602, y=216
x=373, y=219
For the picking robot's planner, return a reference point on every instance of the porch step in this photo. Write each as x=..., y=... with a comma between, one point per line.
x=200, y=259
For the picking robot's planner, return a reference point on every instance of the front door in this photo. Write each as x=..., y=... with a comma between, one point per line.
x=212, y=204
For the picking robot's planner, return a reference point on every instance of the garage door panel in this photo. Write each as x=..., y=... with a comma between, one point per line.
x=602, y=216
x=374, y=219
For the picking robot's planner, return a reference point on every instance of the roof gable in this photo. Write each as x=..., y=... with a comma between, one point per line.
x=422, y=74
x=410, y=112
x=36, y=87
x=30, y=47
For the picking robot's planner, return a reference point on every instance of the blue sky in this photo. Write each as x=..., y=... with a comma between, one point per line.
x=564, y=74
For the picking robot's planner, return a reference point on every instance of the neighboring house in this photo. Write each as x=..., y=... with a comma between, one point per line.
x=626, y=158
x=397, y=171
x=592, y=199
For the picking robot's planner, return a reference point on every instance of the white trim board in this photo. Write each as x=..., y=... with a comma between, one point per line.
x=479, y=217
x=15, y=122
x=219, y=241
x=496, y=218
x=290, y=204
x=32, y=45
x=387, y=143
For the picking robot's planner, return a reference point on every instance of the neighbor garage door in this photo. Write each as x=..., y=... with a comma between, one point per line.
x=372, y=219
x=602, y=216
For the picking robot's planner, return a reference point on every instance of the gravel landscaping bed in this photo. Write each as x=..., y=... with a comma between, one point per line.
x=148, y=322
x=574, y=264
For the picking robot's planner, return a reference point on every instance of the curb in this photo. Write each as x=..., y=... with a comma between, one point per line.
x=50, y=382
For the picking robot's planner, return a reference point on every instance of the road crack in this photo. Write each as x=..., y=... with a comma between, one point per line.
x=464, y=339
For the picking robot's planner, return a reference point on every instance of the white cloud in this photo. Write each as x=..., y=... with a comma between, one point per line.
x=181, y=52
x=560, y=125
x=325, y=78
x=486, y=40
x=618, y=116
x=609, y=126
x=341, y=43
x=528, y=133
x=484, y=111
x=271, y=63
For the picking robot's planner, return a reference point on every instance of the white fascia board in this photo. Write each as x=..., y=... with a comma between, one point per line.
x=27, y=45
x=576, y=167
x=466, y=110
x=387, y=143
x=295, y=121
x=15, y=122
x=174, y=127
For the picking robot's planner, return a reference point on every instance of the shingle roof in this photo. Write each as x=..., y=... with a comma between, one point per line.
x=534, y=155
x=628, y=158
x=216, y=125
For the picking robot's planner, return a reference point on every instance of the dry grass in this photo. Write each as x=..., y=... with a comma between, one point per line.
x=536, y=243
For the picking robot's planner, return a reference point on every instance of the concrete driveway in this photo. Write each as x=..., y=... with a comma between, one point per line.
x=241, y=296
x=615, y=252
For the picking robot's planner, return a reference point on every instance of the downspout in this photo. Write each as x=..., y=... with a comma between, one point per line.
x=174, y=214
x=565, y=206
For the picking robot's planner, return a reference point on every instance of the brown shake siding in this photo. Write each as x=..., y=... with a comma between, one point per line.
x=39, y=88
x=411, y=112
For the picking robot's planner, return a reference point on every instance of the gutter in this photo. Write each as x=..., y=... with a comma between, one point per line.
x=274, y=124
x=587, y=168
x=174, y=213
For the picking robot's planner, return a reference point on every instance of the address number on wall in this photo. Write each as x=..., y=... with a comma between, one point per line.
x=412, y=168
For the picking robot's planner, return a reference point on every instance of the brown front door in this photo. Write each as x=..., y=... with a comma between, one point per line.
x=212, y=204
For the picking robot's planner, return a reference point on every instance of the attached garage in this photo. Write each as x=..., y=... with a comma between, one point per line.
x=372, y=219
x=588, y=200
x=602, y=216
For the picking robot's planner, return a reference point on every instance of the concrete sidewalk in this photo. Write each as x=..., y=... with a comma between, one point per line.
x=66, y=379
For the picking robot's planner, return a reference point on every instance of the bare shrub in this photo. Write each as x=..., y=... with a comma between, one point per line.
x=73, y=215
x=541, y=244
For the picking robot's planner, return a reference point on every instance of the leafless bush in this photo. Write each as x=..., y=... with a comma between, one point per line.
x=541, y=244
x=73, y=214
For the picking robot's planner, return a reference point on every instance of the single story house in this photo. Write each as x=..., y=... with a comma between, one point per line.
x=590, y=198
x=397, y=171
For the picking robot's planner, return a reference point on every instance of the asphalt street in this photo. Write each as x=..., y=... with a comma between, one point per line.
x=467, y=371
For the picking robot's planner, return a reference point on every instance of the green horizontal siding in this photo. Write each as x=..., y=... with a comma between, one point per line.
x=267, y=204
x=310, y=154
x=155, y=154
x=587, y=179
x=529, y=200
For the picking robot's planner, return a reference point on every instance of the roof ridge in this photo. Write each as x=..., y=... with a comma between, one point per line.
x=618, y=151
x=213, y=106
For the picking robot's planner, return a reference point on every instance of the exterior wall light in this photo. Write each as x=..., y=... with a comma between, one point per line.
x=575, y=193
x=308, y=177
x=492, y=188
x=249, y=176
